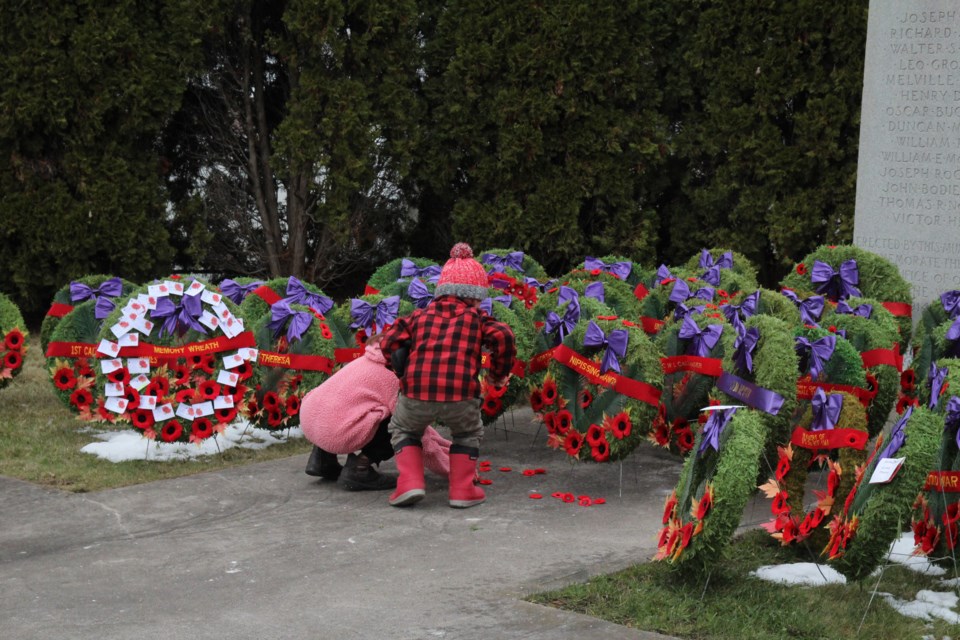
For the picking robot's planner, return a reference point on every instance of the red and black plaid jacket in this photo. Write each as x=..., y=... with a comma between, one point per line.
x=447, y=340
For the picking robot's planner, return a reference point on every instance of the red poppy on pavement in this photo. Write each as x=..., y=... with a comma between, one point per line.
x=485, y=481
x=535, y=496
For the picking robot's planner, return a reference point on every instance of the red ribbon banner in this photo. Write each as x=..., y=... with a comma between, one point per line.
x=707, y=366
x=267, y=294
x=945, y=481
x=806, y=388
x=829, y=438
x=518, y=369
x=216, y=345
x=347, y=355
x=541, y=361
x=901, y=309
x=370, y=291
x=640, y=291
x=890, y=357
x=71, y=350
x=591, y=371
x=651, y=325
x=58, y=309
x=298, y=361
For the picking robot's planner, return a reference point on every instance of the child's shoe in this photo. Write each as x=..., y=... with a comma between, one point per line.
x=410, y=484
x=359, y=475
x=323, y=464
x=463, y=471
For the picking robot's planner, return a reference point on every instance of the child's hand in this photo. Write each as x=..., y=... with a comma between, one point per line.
x=498, y=382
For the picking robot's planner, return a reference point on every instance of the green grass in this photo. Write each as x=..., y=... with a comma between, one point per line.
x=40, y=441
x=732, y=604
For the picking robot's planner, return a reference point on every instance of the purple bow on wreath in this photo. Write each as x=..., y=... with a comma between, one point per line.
x=419, y=293
x=110, y=288
x=297, y=293
x=103, y=307
x=711, y=276
x=810, y=309
x=594, y=290
x=408, y=269
x=951, y=303
x=826, y=410
x=616, y=344
x=487, y=303
x=682, y=311
x=716, y=423
x=179, y=318
x=725, y=261
x=705, y=293
x=554, y=324
x=566, y=295
x=743, y=348
x=937, y=377
x=663, y=273
x=619, y=269
x=539, y=286
x=296, y=322
x=836, y=285
x=681, y=291
x=702, y=340
x=864, y=310
x=898, y=435
x=235, y=291
x=952, y=419
x=365, y=315
x=499, y=264
x=738, y=313
x=815, y=355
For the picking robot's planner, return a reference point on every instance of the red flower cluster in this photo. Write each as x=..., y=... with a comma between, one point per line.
x=13, y=351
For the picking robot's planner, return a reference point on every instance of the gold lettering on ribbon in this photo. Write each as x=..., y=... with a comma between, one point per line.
x=83, y=350
x=591, y=370
x=274, y=359
x=814, y=440
x=740, y=390
x=942, y=481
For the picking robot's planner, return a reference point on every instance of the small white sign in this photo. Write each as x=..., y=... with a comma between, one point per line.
x=163, y=412
x=228, y=378
x=116, y=405
x=108, y=348
x=885, y=470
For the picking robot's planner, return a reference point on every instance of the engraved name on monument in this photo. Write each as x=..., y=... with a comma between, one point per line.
x=908, y=174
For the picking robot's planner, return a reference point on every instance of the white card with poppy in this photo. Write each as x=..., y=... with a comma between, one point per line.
x=116, y=405
x=130, y=340
x=148, y=402
x=196, y=288
x=248, y=353
x=138, y=365
x=232, y=326
x=108, y=348
x=144, y=326
x=163, y=412
x=228, y=378
x=203, y=409
x=148, y=301
x=109, y=366
x=209, y=320
x=139, y=381
x=223, y=402
x=113, y=389
x=175, y=288
x=232, y=361
x=186, y=411
x=121, y=328
x=221, y=310
x=211, y=297
x=158, y=291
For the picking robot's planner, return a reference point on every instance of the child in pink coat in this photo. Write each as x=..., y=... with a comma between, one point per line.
x=350, y=412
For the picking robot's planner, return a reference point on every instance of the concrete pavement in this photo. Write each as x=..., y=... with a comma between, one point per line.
x=265, y=551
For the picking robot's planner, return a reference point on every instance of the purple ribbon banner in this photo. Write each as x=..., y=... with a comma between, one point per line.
x=750, y=394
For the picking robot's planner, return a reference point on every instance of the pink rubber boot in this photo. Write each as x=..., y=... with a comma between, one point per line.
x=463, y=470
x=410, y=484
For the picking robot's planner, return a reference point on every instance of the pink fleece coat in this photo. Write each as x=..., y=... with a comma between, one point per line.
x=342, y=414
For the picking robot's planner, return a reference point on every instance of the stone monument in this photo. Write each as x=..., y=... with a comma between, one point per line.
x=908, y=172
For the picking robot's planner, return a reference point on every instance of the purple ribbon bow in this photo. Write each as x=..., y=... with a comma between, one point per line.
x=567, y=295
x=408, y=269
x=539, y=286
x=110, y=288
x=594, y=290
x=725, y=261
x=297, y=293
x=180, y=317
x=705, y=293
x=898, y=435
x=296, y=322
x=937, y=377
x=815, y=355
x=681, y=291
x=951, y=303
x=235, y=291
x=487, y=303
x=737, y=313
x=712, y=275
x=954, y=331
x=553, y=323
x=864, y=310
x=682, y=311
x=662, y=274
x=810, y=309
x=419, y=293
x=716, y=423
x=703, y=340
x=365, y=314
x=616, y=344
x=103, y=307
x=837, y=285
x=826, y=410
x=620, y=269
x=514, y=260
x=743, y=348
x=953, y=416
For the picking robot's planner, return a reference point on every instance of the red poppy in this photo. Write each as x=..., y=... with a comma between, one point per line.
x=251, y=408
x=548, y=419
x=801, y=269
x=274, y=418
x=142, y=419
x=81, y=398
x=238, y=393
x=783, y=468
x=568, y=497
x=271, y=401
x=181, y=374
x=295, y=381
x=833, y=481
x=102, y=413
x=64, y=379
x=208, y=390
x=535, y=496
x=595, y=434
x=492, y=406
x=325, y=331
x=195, y=360
x=669, y=506
x=585, y=398
x=243, y=371
x=663, y=537
x=779, y=504
x=661, y=433
x=686, y=532
x=536, y=400
x=225, y=415
x=12, y=360
x=119, y=375
x=13, y=339
x=82, y=367
x=573, y=442
x=789, y=531
x=185, y=396
x=293, y=405
x=684, y=439
x=160, y=386
x=704, y=505
x=600, y=451
x=201, y=429
x=620, y=426
x=549, y=392
x=171, y=431
x=908, y=380
x=562, y=422
x=133, y=398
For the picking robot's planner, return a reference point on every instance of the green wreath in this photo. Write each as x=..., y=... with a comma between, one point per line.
x=740, y=276
x=494, y=402
x=89, y=287
x=936, y=511
x=618, y=266
x=875, y=337
x=705, y=509
x=192, y=369
x=592, y=412
x=873, y=514
x=390, y=275
x=932, y=344
x=771, y=303
x=877, y=278
x=792, y=521
x=529, y=266
x=257, y=304
x=352, y=325
x=612, y=291
x=71, y=361
x=14, y=332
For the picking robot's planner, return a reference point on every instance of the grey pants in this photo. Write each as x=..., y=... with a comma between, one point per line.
x=411, y=417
